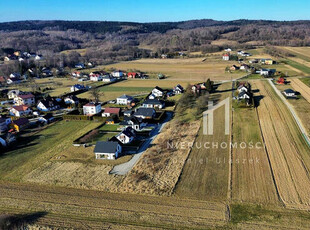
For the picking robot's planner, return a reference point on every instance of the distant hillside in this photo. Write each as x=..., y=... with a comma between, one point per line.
x=128, y=40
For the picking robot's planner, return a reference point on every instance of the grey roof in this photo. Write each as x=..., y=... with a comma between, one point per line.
x=135, y=120
x=158, y=88
x=153, y=102
x=289, y=91
x=129, y=132
x=126, y=97
x=146, y=112
x=105, y=147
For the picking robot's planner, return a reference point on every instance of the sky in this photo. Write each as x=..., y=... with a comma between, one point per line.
x=153, y=11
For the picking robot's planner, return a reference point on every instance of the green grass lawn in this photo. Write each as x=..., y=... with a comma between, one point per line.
x=34, y=151
x=305, y=80
x=110, y=127
x=299, y=66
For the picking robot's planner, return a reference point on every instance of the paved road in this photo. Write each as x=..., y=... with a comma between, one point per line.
x=124, y=168
x=292, y=110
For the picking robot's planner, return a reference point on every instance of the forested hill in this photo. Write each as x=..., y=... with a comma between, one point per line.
x=128, y=40
x=162, y=27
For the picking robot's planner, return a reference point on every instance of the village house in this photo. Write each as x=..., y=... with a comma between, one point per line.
x=80, y=66
x=91, y=109
x=24, y=99
x=47, y=119
x=253, y=61
x=128, y=113
x=145, y=113
x=153, y=103
x=234, y=67
x=77, y=87
x=13, y=93
x=158, y=92
x=178, y=89
x=266, y=72
x=48, y=104
x=108, y=112
x=228, y=49
x=244, y=67
x=20, y=124
x=4, y=123
x=108, y=78
x=109, y=150
x=15, y=75
x=76, y=74
x=71, y=100
x=133, y=75
x=126, y=136
x=289, y=93
x=243, y=88
x=196, y=89
x=95, y=77
x=11, y=81
x=124, y=100
x=20, y=110
x=226, y=57
x=38, y=57
x=132, y=122
x=118, y=74
x=244, y=95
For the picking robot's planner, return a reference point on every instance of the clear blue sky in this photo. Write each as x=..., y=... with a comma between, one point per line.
x=153, y=11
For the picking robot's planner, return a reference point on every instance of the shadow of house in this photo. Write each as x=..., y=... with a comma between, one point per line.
x=256, y=100
x=20, y=221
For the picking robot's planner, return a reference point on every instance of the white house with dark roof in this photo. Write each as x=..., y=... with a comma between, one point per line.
x=158, y=92
x=124, y=100
x=153, y=103
x=109, y=150
x=126, y=136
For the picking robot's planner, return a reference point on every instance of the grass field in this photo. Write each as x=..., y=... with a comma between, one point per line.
x=306, y=80
x=251, y=175
x=286, y=148
x=41, y=147
x=206, y=171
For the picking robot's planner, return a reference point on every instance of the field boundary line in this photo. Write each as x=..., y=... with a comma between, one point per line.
x=268, y=157
x=293, y=113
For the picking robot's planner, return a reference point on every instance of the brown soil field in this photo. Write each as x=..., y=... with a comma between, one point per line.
x=301, y=87
x=159, y=168
x=288, y=153
x=205, y=174
x=80, y=209
x=188, y=69
x=251, y=175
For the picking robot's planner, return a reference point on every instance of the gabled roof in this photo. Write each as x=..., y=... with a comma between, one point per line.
x=158, y=88
x=26, y=96
x=243, y=93
x=20, y=108
x=146, y=112
x=48, y=102
x=91, y=104
x=124, y=96
x=289, y=91
x=129, y=132
x=133, y=119
x=21, y=121
x=178, y=86
x=112, y=110
x=106, y=147
x=153, y=101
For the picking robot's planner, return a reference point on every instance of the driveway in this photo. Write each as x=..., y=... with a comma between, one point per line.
x=124, y=168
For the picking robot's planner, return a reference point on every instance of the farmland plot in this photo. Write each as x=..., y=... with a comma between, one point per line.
x=288, y=153
x=205, y=174
x=301, y=87
x=251, y=176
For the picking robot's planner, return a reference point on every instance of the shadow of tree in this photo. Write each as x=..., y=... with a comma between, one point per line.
x=12, y=222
